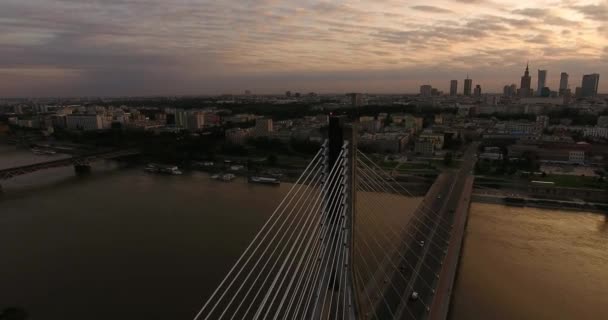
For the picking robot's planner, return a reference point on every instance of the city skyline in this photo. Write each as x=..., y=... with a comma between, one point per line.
x=130, y=47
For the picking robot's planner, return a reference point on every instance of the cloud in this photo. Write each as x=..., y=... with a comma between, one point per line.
x=531, y=12
x=204, y=46
x=597, y=12
x=431, y=9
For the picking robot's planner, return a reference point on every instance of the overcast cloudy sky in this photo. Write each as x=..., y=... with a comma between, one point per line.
x=143, y=47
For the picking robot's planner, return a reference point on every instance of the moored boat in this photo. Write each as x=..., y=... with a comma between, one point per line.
x=264, y=180
x=228, y=177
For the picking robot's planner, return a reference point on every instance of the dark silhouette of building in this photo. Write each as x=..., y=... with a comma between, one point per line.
x=468, y=85
x=426, y=90
x=478, y=90
x=542, y=81
x=453, y=88
x=590, y=84
x=526, y=80
x=563, y=83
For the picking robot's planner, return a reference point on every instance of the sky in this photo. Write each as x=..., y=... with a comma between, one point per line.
x=176, y=47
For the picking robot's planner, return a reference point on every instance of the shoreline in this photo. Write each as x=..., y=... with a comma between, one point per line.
x=600, y=208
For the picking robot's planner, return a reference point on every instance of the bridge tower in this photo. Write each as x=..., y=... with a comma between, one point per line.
x=342, y=145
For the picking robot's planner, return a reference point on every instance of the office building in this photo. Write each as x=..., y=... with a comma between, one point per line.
x=468, y=85
x=563, y=83
x=453, y=88
x=589, y=85
x=426, y=90
x=542, y=81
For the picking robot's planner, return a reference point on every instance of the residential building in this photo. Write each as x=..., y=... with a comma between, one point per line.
x=576, y=156
x=436, y=138
x=519, y=127
x=263, y=127
x=211, y=119
x=384, y=142
x=237, y=135
x=371, y=126
x=596, y=132
x=181, y=118
x=196, y=121
x=84, y=122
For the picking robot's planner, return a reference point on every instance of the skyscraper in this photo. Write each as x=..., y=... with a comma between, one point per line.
x=542, y=81
x=453, y=88
x=468, y=84
x=563, y=83
x=478, y=90
x=590, y=84
x=526, y=80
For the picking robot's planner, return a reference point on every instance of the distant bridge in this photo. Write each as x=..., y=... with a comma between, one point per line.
x=81, y=163
x=342, y=244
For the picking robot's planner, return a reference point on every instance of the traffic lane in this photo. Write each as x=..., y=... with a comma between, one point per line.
x=420, y=228
x=426, y=277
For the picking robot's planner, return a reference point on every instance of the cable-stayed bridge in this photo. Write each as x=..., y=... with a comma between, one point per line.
x=347, y=243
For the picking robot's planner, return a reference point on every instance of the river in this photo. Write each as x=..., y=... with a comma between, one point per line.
x=527, y=263
x=122, y=244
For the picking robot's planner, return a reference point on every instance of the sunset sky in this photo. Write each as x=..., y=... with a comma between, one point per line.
x=148, y=47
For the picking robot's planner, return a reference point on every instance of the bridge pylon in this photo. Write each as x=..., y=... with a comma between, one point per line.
x=342, y=146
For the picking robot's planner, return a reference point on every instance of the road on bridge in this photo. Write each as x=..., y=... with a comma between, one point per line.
x=427, y=243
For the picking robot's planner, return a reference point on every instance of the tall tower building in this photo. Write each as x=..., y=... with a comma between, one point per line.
x=590, y=84
x=542, y=81
x=468, y=85
x=563, y=82
x=526, y=80
x=453, y=88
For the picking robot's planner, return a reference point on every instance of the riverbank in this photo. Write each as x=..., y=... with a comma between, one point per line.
x=541, y=203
